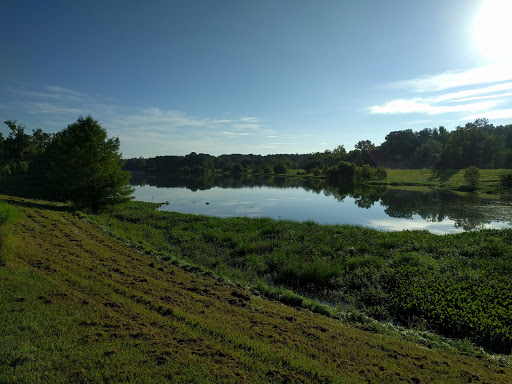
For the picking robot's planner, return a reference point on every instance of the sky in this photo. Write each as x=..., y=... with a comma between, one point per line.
x=254, y=77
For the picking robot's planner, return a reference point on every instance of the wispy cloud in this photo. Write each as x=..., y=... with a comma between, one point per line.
x=52, y=92
x=53, y=108
x=428, y=107
x=497, y=114
x=453, y=79
x=147, y=129
x=484, y=91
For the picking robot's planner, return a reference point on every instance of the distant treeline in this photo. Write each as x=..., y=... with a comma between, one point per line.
x=479, y=144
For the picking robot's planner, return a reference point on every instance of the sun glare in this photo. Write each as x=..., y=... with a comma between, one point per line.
x=491, y=31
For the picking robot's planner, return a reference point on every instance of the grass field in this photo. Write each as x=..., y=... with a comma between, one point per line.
x=449, y=178
x=80, y=306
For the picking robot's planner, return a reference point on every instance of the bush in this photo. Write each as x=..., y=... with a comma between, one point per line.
x=472, y=175
x=280, y=168
x=364, y=173
x=381, y=173
x=506, y=180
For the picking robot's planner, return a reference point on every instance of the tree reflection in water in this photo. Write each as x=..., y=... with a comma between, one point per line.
x=468, y=211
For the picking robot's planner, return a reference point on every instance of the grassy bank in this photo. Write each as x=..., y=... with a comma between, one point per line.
x=447, y=179
x=79, y=306
x=457, y=285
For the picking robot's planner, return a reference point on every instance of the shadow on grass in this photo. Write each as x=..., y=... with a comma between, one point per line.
x=22, y=186
x=52, y=206
x=442, y=174
x=19, y=188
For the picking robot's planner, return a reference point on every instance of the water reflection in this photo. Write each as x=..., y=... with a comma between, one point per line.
x=381, y=207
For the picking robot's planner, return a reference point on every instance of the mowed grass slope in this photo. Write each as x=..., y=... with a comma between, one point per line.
x=446, y=178
x=78, y=306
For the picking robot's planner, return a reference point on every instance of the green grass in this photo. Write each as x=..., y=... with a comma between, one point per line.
x=8, y=215
x=79, y=306
x=457, y=285
x=449, y=178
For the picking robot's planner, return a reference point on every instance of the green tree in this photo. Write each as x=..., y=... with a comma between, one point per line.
x=506, y=179
x=237, y=169
x=281, y=168
x=84, y=166
x=342, y=173
x=381, y=173
x=364, y=173
x=268, y=169
x=472, y=175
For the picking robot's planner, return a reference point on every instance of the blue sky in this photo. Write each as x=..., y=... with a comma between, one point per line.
x=262, y=77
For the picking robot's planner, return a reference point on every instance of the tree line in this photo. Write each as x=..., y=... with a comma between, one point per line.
x=478, y=144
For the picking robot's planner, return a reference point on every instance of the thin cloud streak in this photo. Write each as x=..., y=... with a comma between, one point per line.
x=466, y=95
x=498, y=114
x=419, y=105
x=54, y=93
x=44, y=107
x=497, y=96
x=477, y=100
x=454, y=79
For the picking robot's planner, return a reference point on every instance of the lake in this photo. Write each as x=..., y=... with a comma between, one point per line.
x=383, y=208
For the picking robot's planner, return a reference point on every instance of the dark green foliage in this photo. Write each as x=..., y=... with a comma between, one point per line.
x=84, y=166
x=472, y=175
x=381, y=173
x=21, y=152
x=506, y=180
x=342, y=173
x=364, y=173
x=268, y=170
x=237, y=169
x=281, y=168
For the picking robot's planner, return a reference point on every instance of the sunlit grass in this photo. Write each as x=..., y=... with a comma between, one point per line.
x=448, y=178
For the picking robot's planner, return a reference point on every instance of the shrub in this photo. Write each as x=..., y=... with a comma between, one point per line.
x=381, y=173
x=472, y=175
x=506, y=179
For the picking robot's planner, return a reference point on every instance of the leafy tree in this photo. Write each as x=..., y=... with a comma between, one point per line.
x=339, y=150
x=268, y=169
x=364, y=172
x=84, y=166
x=316, y=171
x=257, y=170
x=506, y=179
x=427, y=155
x=381, y=173
x=400, y=146
x=472, y=175
x=365, y=145
x=342, y=173
x=280, y=168
x=20, y=152
x=237, y=169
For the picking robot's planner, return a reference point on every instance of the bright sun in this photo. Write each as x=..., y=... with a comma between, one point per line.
x=492, y=33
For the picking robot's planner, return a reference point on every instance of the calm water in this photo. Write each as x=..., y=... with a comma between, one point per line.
x=380, y=208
